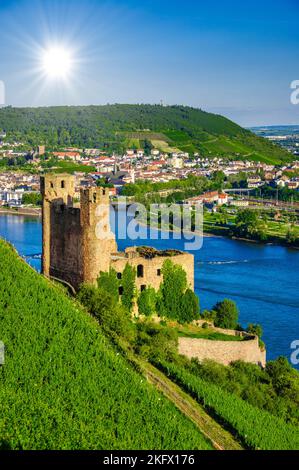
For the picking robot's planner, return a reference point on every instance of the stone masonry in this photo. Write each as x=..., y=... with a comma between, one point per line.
x=223, y=352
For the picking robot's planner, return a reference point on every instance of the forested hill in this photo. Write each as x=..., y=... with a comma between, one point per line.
x=115, y=127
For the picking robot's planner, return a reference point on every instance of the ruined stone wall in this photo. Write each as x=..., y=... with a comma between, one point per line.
x=150, y=274
x=77, y=242
x=55, y=189
x=98, y=242
x=66, y=246
x=223, y=352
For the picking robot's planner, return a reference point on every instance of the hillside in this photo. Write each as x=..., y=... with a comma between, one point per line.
x=63, y=386
x=115, y=127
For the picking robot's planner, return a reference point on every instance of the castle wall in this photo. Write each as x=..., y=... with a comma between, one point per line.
x=55, y=189
x=65, y=246
x=98, y=242
x=223, y=352
x=152, y=275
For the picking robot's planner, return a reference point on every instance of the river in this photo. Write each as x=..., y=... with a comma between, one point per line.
x=262, y=279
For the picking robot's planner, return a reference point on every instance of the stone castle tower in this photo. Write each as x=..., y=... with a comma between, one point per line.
x=77, y=241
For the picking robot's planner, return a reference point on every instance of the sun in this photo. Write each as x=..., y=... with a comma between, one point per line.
x=57, y=62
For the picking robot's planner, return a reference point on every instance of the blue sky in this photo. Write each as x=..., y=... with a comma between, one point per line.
x=225, y=57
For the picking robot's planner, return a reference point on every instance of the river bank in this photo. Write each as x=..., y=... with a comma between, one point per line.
x=218, y=232
x=221, y=232
x=30, y=211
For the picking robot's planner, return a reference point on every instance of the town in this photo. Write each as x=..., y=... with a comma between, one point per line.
x=21, y=169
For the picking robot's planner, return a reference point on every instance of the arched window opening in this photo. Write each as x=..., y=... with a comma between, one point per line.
x=140, y=270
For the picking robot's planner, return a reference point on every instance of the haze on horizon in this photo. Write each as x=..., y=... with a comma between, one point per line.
x=228, y=58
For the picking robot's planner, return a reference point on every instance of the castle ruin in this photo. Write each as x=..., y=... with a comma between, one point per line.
x=78, y=243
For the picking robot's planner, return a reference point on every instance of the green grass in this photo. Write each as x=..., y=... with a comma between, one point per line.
x=193, y=331
x=63, y=386
x=209, y=334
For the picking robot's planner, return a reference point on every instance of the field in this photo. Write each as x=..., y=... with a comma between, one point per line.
x=63, y=385
x=256, y=428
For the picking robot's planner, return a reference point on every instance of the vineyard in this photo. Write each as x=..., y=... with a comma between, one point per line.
x=63, y=386
x=256, y=428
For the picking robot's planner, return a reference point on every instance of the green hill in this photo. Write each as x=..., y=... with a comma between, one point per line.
x=63, y=385
x=115, y=127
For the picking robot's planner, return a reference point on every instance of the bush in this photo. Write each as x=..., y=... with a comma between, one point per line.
x=255, y=329
x=171, y=290
x=156, y=342
x=95, y=300
x=117, y=322
x=108, y=282
x=227, y=314
x=209, y=315
x=274, y=389
x=112, y=316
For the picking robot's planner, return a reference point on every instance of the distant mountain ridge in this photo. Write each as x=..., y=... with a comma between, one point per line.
x=118, y=126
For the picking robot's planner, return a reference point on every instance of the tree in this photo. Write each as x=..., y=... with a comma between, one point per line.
x=282, y=375
x=249, y=225
x=218, y=178
x=108, y=282
x=103, y=183
x=189, y=307
x=116, y=321
x=128, y=285
x=147, y=146
x=227, y=314
x=171, y=290
x=174, y=299
x=147, y=302
x=32, y=198
x=291, y=237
